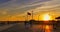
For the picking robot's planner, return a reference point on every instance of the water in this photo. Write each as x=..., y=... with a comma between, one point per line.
x=21, y=27
x=42, y=28
x=46, y=26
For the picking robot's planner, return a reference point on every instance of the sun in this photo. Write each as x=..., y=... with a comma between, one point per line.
x=47, y=17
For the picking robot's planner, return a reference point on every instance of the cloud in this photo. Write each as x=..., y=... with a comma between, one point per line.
x=3, y=1
x=15, y=6
x=21, y=7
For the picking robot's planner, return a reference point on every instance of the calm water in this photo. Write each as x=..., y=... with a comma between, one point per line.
x=21, y=27
x=41, y=28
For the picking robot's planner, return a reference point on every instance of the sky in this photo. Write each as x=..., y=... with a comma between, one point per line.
x=17, y=9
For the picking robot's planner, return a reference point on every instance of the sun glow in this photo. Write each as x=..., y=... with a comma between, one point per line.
x=47, y=17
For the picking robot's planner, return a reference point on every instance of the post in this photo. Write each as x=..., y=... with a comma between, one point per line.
x=24, y=18
x=27, y=17
x=32, y=15
x=38, y=17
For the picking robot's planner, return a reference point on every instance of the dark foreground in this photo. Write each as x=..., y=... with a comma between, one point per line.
x=21, y=27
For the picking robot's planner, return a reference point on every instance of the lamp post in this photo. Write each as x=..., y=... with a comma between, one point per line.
x=38, y=17
x=32, y=15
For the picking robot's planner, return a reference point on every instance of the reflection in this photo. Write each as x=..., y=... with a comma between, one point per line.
x=37, y=28
x=48, y=28
x=42, y=28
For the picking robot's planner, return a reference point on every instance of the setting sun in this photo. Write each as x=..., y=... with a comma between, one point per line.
x=47, y=17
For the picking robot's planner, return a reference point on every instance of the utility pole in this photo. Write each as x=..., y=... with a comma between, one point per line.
x=27, y=17
x=38, y=17
x=32, y=15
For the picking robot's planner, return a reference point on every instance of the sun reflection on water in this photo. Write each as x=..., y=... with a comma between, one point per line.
x=42, y=28
x=48, y=28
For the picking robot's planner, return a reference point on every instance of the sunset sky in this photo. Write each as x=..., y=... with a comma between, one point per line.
x=17, y=9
